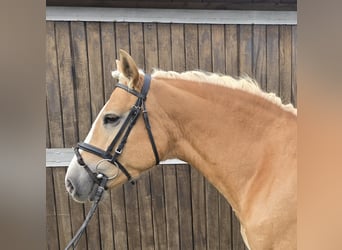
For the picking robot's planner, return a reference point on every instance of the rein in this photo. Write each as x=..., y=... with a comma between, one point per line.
x=101, y=179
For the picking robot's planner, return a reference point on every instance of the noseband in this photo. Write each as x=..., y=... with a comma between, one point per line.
x=124, y=132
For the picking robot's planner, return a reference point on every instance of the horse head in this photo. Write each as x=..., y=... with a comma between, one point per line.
x=118, y=144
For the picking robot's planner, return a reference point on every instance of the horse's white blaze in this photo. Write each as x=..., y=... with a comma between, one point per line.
x=91, y=132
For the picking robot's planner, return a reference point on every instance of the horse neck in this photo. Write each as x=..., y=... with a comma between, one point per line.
x=228, y=135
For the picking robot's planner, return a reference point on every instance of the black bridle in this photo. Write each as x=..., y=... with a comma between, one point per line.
x=123, y=132
x=100, y=178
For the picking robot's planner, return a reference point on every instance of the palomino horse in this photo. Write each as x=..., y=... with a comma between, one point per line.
x=244, y=141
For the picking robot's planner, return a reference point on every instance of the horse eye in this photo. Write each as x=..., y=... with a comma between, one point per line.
x=111, y=119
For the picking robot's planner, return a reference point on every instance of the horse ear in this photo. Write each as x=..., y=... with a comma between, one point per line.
x=128, y=68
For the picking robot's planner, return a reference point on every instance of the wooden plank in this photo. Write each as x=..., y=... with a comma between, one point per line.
x=171, y=207
x=237, y=240
x=62, y=207
x=191, y=46
x=151, y=46
x=204, y=48
x=95, y=68
x=218, y=48
x=158, y=207
x=164, y=46
x=136, y=35
x=285, y=50
x=177, y=49
x=108, y=57
x=132, y=219
x=272, y=59
x=66, y=72
x=184, y=206
x=122, y=37
x=77, y=217
x=225, y=228
x=198, y=209
x=212, y=218
x=52, y=89
x=106, y=224
x=259, y=55
x=231, y=53
x=81, y=73
x=294, y=67
x=245, y=50
x=119, y=217
x=65, y=69
x=52, y=241
x=145, y=211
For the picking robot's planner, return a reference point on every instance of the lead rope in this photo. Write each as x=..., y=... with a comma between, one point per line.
x=90, y=214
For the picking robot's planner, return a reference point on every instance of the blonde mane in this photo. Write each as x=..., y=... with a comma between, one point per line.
x=244, y=83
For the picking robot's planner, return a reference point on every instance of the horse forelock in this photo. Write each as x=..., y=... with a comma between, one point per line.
x=244, y=83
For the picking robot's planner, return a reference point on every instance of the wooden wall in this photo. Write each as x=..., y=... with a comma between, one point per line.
x=170, y=207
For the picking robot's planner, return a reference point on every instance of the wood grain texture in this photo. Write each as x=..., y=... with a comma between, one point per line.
x=272, y=58
x=158, y=207
x=132, y=216
x=65, y=69
x=171, y=207
x=145, y=211
x=259, y=55
x=204, y=48
x=52, y=241
x=285, y=50
x=191, y=46
x=245, y=49
x=53, y=96
x=95, y=68
x=151, y=47
x=231, y=53
x=62, y=208
x=164, y=46
x=80, y=58
x=136, y=34
x=106, y=224
x=108, y=54
x=119, y=218
x=184, y=206
x=177, y=49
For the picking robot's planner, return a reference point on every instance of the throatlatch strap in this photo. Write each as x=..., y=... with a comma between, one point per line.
x=149, y=132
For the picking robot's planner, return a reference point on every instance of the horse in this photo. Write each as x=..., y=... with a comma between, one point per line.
x=241, y=139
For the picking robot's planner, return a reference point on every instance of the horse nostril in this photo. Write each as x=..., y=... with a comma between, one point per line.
x=70, y=187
